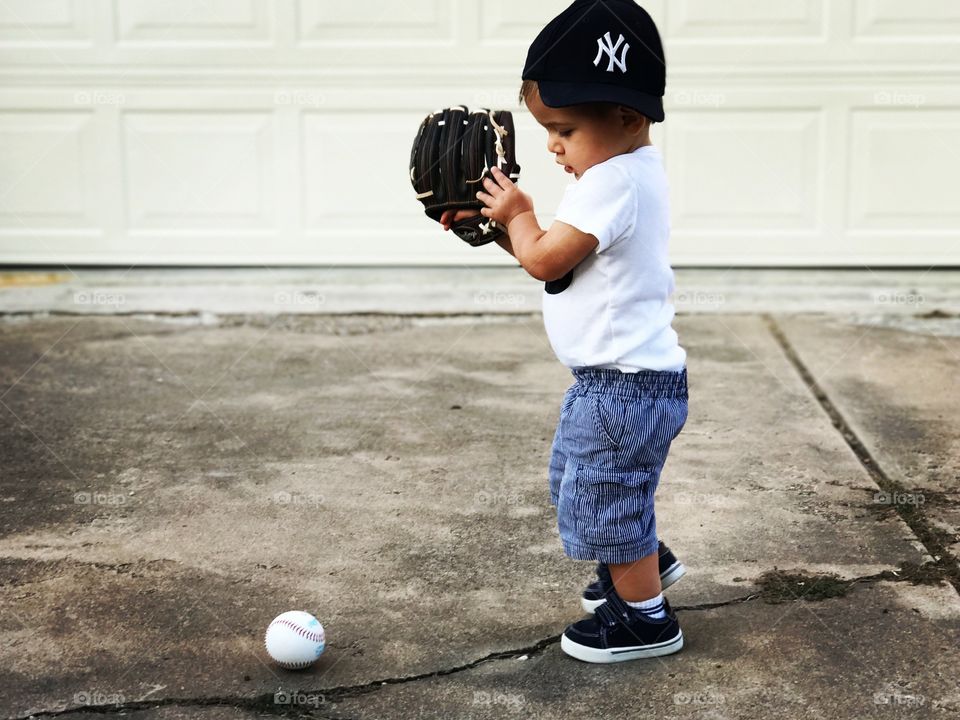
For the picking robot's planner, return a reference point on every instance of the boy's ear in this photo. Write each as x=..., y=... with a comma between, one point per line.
x=634, y=122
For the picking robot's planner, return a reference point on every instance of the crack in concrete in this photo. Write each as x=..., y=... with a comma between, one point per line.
x=934, y=540
x=260, y=704
x=316, y=699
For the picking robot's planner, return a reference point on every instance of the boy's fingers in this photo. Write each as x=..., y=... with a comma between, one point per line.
x=500, y=176
x=449, y=217
x=492, y=187
x=485, y=199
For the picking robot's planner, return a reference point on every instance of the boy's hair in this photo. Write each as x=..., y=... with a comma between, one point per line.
x=527, y=88
x=595, y=109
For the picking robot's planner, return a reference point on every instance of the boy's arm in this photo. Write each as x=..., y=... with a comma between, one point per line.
x=548, y=254
x=545, y=254
x=505, y=242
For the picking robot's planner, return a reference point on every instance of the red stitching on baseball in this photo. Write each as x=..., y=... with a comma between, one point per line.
x=301, y=631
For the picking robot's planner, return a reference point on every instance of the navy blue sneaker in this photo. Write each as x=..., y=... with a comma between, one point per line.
x=596, y=593
x=618, y=632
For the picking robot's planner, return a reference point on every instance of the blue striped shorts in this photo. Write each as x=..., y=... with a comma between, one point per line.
x=611, y=443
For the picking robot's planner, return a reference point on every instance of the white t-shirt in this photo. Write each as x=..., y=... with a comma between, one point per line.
x=616, y=313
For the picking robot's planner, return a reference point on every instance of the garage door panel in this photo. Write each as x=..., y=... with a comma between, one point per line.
x=45, y=161
x=177, y=22
x=893, y=20
x=356, y=169
x=380, y=22
x=746, y=169
x=745, y=20
x=899, y=162
x=48, y=23
x=507, y=22
x=198, y=170
x=859, y=250
x=792, y=38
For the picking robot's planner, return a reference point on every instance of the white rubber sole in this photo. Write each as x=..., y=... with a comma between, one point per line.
x=596, y=655
x=673, y=573
x=591, y=605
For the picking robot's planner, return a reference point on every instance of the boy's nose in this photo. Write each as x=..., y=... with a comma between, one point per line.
x=554, y=147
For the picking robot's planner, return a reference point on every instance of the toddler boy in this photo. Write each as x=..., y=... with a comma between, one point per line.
x=594, y=79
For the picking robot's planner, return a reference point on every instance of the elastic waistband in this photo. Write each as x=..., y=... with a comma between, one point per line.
x=650, y=383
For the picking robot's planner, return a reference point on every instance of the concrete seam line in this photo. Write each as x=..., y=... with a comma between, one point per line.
x=915, y=518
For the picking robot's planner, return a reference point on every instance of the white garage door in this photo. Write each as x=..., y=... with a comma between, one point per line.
x=278, y=131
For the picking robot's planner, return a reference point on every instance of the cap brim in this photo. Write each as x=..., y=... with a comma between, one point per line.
x=563, y=94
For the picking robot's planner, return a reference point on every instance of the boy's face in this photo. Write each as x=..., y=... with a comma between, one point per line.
x=579, y=140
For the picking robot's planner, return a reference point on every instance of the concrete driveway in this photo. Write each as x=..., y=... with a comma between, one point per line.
x=187, y=454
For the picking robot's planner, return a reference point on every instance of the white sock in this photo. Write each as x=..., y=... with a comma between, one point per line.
x=652, y=608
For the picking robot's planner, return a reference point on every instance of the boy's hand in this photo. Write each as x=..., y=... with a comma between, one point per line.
x=504, y=200
x=449, y=217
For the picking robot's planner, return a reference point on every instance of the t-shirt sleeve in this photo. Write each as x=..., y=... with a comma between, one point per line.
x=602, y=203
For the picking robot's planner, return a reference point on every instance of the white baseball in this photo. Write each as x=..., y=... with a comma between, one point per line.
x=295, y=639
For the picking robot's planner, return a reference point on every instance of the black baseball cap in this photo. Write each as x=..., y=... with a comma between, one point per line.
x=600, y=51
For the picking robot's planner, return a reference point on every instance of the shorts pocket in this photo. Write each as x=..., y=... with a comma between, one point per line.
x=637, y=432
x=611, y=413
x=615, y=507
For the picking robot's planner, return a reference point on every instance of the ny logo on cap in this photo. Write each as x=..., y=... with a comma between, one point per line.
x=606, y=45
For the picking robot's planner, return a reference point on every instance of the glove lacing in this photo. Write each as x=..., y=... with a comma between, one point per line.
x=501, y=132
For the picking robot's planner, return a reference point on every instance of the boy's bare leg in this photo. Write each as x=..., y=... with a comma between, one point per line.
x=639, y=580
